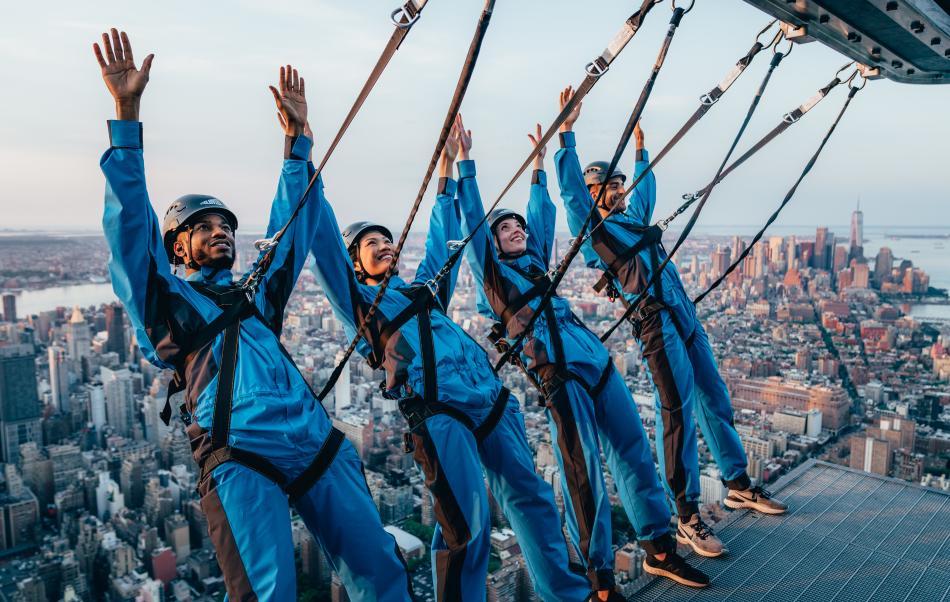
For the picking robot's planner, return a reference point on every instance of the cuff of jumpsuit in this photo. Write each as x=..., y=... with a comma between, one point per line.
x=567, y=139
x=740, y=483
x=539, y=177
x=601, y=579
x=300, y=149
x=643, y=155
x=663, y=544
x=466, y=169
x=447, y=187
x=125, y=134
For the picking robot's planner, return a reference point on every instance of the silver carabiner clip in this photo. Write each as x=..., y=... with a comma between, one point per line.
x=433, y=287
x=789, y=118
x=455, y=245
x=264, y=244
x=407, y=15
x=707, y=100
x=597, y=67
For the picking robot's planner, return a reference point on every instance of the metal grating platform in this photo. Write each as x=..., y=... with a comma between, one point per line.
x=849, y=536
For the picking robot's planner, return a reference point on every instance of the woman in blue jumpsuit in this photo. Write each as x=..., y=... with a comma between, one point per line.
x=274, y=416
x=589, y=406
x=672, y=340
x=447, y=399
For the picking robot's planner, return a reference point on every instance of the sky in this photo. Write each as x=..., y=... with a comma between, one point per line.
x=210, y=125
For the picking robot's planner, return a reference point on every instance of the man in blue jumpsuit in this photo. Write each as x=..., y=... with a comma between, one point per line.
x=461, y=419
x=588, y=404
x=672, y=339
x=256, y=430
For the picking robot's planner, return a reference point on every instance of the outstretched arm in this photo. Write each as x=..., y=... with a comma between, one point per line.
x=643, y=198
x=444, y=222
x=290, y=254
x=138, y=264
x=574, y=192
x=541, y=213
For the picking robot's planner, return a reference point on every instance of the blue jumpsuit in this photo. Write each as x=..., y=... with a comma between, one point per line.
x=447, y=452
x=274, y=414
x=672, y=340
x=582, y=416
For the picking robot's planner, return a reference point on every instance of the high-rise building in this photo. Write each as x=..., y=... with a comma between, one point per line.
x=857, y=234
x=78, y=337
x=358, y=428
x=120, y=399
x=19, y=402
x=342, y=394
x=772, y=394
x=59, y=378
x=97, y=406
x=115, y=329
x=820, y=258
x=177, y=535
x=871, y=455
x=883, y=264
x=9, y=307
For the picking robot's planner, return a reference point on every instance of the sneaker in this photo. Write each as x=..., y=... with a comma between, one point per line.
x=755, y=498
x=675, y=568
x=700, y=537
x=613, y=596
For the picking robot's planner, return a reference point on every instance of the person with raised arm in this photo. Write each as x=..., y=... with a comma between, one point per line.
x=463, y=424
x=259, y=437
x=687, y=384
x=589, y=407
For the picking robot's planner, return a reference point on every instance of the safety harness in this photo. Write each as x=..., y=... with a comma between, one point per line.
x=547, y=380
x=415, y=408
x=237, y=306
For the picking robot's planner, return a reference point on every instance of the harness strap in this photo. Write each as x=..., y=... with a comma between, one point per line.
x=321, y=462
x=602, y=381
x=245, y=458
x=651, y=235
x=494, y=417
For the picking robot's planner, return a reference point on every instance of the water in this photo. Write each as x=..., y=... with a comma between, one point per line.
x=83, y=295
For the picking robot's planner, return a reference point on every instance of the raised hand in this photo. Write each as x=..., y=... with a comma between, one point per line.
x=638, y=135
x=124, y=81
x=291, y=102
x=566, y=95
x=535, y=139
x=464, y=136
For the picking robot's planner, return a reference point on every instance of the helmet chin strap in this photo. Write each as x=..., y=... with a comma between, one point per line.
x=189, y=258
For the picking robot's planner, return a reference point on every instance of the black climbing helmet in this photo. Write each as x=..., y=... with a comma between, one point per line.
x=184, y=211
x=355, y=231
x=501, y=214
x=594, y=173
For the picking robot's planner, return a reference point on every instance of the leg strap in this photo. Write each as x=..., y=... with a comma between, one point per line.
x=602, y=382
x=491, y=421
x=245, y=458
x=321, y=462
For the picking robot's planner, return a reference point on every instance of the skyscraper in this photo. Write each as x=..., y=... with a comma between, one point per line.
x=342, y=394
x=19, y=402
x=59, y=378
x=120, y=399
x=78, y=337
x=857, y=233
x=821, y=245
x=883, y=264
x=115, y=327
x=9, y=307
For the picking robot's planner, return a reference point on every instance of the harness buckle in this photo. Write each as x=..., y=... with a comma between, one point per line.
x=408, y=444
x=433, y=287
x=708, y=100
x=597, y=67
x=405, y=16
x=265, y=244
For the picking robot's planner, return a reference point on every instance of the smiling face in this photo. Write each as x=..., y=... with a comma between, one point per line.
x=211, y=242
x=511, y=236
x=613, y=195
x=376, y=253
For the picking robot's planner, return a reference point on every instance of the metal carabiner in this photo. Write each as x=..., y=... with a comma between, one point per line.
x=264, y=244
x=838, y=72
x=408, y=12
x=850, y=80
x=597, y=67
x=455, y=245
x=778, y=40
x=765, y=29
x=433, y=287
x=689, y=8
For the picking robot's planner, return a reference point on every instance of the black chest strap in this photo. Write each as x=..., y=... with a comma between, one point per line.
x=650, y=237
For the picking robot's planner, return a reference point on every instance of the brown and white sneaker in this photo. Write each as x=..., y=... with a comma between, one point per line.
x=700, y=537
x=755, y=498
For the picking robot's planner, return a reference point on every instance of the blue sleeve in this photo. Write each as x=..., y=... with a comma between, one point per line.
x=480, y=252
x=643, y=198
x=574, y=192
x=334, y=269
x=540, y=217
x=291, y=253
x=139, y=268
x=444, y=225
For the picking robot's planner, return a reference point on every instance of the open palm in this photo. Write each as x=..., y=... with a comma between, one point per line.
x=291, y=101
x=122, y=79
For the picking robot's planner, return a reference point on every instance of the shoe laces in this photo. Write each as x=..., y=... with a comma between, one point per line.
x=759, y=491
x=701, y=529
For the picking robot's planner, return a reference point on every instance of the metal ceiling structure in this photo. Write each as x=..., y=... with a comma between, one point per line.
x=907, y=41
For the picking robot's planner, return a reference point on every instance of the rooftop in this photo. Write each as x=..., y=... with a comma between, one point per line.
x=848, y=536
